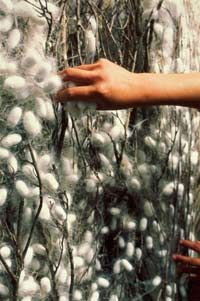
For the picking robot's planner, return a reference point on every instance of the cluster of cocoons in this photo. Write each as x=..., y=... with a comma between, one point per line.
x=113, y=196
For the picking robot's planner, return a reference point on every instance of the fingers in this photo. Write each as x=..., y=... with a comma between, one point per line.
x=78, y=75
x=77, y=93
x=187, y=260
x=184, y=269
x=193, y=245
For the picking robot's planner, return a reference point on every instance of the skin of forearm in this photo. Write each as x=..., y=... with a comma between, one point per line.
x=170, y=89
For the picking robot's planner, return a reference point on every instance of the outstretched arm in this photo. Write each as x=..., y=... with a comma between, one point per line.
x=113, y=87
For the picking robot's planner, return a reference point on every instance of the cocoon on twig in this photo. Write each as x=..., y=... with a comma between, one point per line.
x=126, y=265
x=143, y=224
x=45, y=284
x=148, y=209
x=3, y=290
x=94, y=296
x=22, y=188
x=31, y=124
x=15, y=83
x=138, y=253
x=6, y=23
x=28, y=287
x=103, y=282
x=14, y=38
x=77, y=296
x=114, y=298
x=5, y=252
x=40, y=107
x=4, y=153
x=12, y=164
x=117, y=267
x=130, y=249
x=3, y=195
x=156, y=281
x=50, y=181
x=11, y=140
x=14, y=116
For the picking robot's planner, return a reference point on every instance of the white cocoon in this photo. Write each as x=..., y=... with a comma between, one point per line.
x=156, y=281
x=12, y=164
x=40, y=107
x=90, y=43
x=3, y=195
x=126, y=265
x=45, y=213
x=53, y=84
x=28, y=287
x=14, y=116
x=149, y=242
x=11, y=140
x=94, y=296
x=15, y=83
x=50, y=111
x=77, y=296
x=6, y=23
x=138, y=253
x=29, y=171
x=3, y=290
x=5, y=252
x=4, y=153
x=117, y=267
x=39, y=249
x=6, y=6
x=31, y=124
x=50, y=181
x=143, y=224
x=103, y=282
x=22, y=188
x=134, y=184
x=45, y=284
x=114, y=298
x=44, y=162
x=31, y=58
x=130, y=249
x=148, y=209
x=59, y=213
x=98, y=139
x=29, y=256
x=14, y=38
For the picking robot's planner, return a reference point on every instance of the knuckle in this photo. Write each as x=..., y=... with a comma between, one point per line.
x=101, y=89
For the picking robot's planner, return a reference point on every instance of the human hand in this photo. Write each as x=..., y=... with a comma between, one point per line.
x=186, y=264
x=104, y=83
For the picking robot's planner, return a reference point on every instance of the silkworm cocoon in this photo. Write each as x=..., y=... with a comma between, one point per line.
x=71, y=181
x=169, y=290
x=50, y=182
x=78, y=262
x=171, y=210
x=105, y=230
x=27, y=299
x=14, y=38
x=40, y=107
x=114, y=298
x=6, y=6
x=97, y=265
x=11, y=140
x=88, y=236
x=168, y=299
x=28, y=287
x=103, y=282
x=134, y=184
x=94, y=296
x=77, y=296
x=117, y=132
x=31, y=124
x=138, y=253
x=130, y=249
x=162, y=253
x=29, y=171
x=121, y=242
x=94, y=287
x=156, y=281
x=149, y=242
x=62, y=276
x=90, y=185
x=14, y=116
x=50, y=111
x=39, y=249
x=148, y=209
x=45, y=213
x=168, y=189
x=11, y=68
x=43, y=71
x=5, y=252
x=158, y=29
x=143, y=224
x=156, y=226
x=84, y=249
x=90, y=44
x=4, y=153
x=150, y=142
x=3, y=290
x=12, y=164
x=117, y=267
x=15, y=83
x=44, y=162
x=59, y=213
x=115, y=211
x=126, y=265
x=6, y=23
x=3, y=195
x=29, y=256
x=194, y=158
x=98, y=139
x=22, y=188
x=53, y=84
x=92, y=23
x=45, y=285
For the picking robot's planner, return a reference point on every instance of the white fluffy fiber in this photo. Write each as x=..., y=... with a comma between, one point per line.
x=52, y=84
x=24, y=10
x=31, y=124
